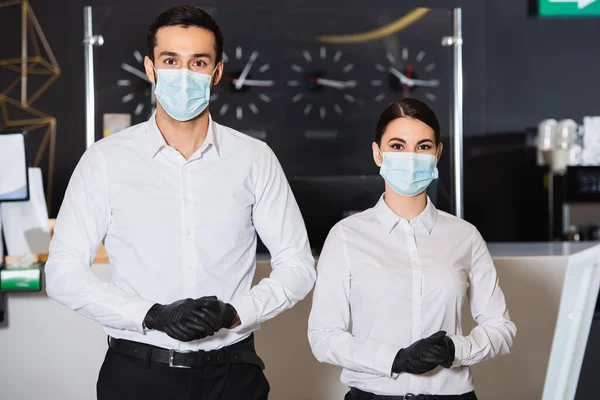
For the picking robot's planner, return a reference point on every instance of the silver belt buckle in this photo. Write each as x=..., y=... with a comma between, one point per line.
x=409, y=396
x=171, y=364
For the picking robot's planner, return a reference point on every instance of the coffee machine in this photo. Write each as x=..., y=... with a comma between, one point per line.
x=572, y=154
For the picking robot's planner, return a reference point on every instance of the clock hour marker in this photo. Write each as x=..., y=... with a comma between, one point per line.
x=297, y=97
x=348, y=68
x=420, y=56
x=293, y=83
x=238, y=52
x=135, y=71
x=380, y=67
x=323, y=53
x=337, y=56
x=264, y=98
x=390, y=57
x=307, y=56
x=379, y=97
x=225, y=58
x=123, y=82
x=296, y=68
x=322, y=112
x=138, y=56
x=349, y=98
x=264, y=68
x=431, y=96
x=376, y=83
x=253, y=108
x=239, y=114
x=128, y=97
x=139, y=109
x=307, y=109
x=224, y=109
x=405, y=54
x=430, y=67
x=338, y=109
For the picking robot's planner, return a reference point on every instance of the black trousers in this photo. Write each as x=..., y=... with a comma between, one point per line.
x=126, y=378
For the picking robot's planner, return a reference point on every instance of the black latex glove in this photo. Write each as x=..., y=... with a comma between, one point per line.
x=225, y=310
x=424, y=355
x=184, y=320
x=451, y=352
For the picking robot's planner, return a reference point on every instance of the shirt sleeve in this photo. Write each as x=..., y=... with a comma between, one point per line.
x=80, y=227
x=279, y=224
x=495, y=332
x=329, y=320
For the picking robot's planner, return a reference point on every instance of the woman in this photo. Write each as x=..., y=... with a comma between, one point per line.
x=400, y=272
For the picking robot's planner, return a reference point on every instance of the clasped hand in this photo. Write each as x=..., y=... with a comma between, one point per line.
x=425, y=355
x=191, y=319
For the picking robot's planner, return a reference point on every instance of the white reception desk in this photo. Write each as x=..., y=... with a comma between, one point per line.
x=50, y=352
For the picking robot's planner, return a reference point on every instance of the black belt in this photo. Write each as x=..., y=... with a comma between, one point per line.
x=359, y=394
x=238, y=353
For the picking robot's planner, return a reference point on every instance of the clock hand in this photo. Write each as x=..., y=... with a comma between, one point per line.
x=403, y=79
x=428, y=83
x=135, y=71
x=244, y=74
x=251, y=82
x=333, y=83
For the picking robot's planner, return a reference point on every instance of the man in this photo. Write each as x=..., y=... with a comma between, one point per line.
x=178, y=201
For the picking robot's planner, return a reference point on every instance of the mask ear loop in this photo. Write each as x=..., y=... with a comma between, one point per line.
x=212, y=77
x=380, y=153
x=155, y=73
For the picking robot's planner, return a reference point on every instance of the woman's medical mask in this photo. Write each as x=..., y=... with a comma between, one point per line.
x=408, y=174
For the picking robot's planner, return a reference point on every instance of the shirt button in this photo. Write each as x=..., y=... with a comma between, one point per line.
x=190, y=266
x=190, y=233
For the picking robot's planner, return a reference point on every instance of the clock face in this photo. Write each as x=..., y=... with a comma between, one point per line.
x=406, y=74
x=137, y=90
x=322, y=85
x=245, y=92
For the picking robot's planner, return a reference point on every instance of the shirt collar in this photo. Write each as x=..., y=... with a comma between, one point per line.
x=156, y=142
x=389, y=219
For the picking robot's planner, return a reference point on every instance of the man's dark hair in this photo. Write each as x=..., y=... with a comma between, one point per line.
x=185, y=16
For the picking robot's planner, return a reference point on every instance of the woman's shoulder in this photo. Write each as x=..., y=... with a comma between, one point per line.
x=355, y=222
x=450, y=221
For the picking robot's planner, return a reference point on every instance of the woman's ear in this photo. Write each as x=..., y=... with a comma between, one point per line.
x=377, y=156
x=439, y=151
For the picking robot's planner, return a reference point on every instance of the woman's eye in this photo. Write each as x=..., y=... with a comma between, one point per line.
x=424, y=147
x=199, y=64
x=169, y=61
x=397, y=146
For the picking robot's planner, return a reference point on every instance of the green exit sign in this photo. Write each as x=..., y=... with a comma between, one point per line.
x=568, y=8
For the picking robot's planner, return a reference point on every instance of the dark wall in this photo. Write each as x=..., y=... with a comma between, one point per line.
x=517, y=69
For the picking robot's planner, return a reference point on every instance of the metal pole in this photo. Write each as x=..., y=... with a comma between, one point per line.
x=89, y=41
x=457, y=121
x=24, y=54
x=456, y=139
x=551, y=205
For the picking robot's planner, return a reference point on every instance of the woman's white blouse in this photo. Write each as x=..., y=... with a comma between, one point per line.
x=384, y=283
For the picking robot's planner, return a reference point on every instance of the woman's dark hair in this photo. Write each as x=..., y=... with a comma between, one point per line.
x=185, y=16
x=407, y=108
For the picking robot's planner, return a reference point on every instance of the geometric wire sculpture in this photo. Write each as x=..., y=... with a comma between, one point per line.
x=34, y=64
